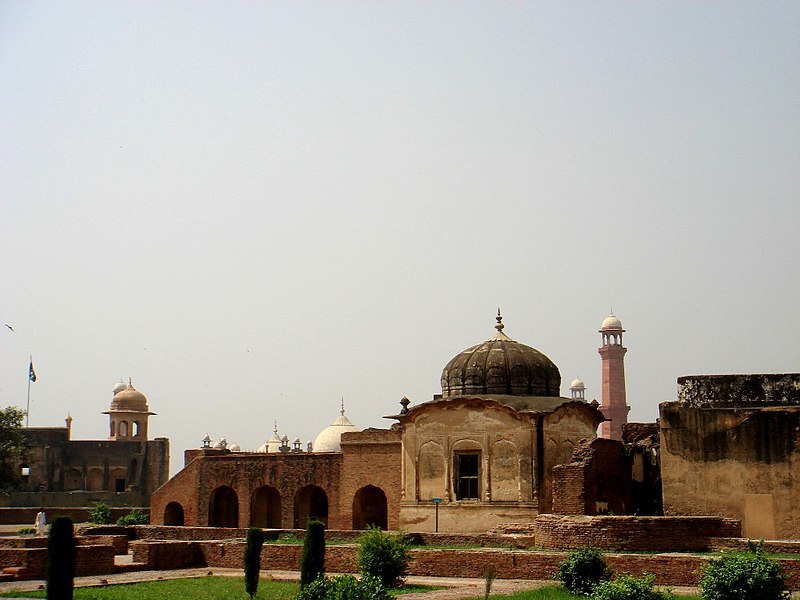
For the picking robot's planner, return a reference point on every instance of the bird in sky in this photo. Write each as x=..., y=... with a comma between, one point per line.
x=9, y=326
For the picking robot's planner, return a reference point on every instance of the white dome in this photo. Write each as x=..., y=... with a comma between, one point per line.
x=235, y=447
x=577, y=383
x=329, y=439
x=273, y=444
x=119, y=387
x=611, y=322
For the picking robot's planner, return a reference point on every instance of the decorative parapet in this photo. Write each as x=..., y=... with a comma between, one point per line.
x=739, y=391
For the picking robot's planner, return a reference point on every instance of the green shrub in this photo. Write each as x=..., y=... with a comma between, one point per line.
x=743, y=575
x=312, y=561
x=100, y=514
x=26, y=530
x=383, y=555
x=627, y=587
x=582, y=570
x=135, y=517
x=60, y=560
x=252, y=560
x=344, y=587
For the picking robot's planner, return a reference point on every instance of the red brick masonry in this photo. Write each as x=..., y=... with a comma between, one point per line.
x=669, y=569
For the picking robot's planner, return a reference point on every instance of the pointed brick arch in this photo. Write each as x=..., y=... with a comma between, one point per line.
x=370, y=508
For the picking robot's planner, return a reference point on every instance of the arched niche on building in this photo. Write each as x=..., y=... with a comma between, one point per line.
x=265, y=508
x=310, y=502
x=173, y=514
x=94, y=479
x=73, y=480
x=370, y=508
x=223, y=508
x=431, y=471
x=504, y=471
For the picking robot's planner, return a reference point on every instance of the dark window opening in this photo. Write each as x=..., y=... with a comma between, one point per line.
x=119, y=485
x=467, y=473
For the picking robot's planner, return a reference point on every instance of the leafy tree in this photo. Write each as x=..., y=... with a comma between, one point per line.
x=252, y=560
x=135, y=517
x=60, y=560
x=13, y=446
x=100, y=514
x=344, y=587
x=312, y=561
x=582, y=570
x=627, y=587
x=748, y=575
x=383, y=555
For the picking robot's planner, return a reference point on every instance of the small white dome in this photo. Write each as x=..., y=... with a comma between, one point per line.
x=235, y=447
x=329, y=439
x=119, y=387
x=611, y=322
x=577, y=384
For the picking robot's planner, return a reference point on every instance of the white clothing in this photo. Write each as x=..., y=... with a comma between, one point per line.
x=41, y=521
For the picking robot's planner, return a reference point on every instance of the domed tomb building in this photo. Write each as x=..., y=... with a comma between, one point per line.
x=484, y=450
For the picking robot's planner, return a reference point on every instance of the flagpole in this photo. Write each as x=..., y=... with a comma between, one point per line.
x=28, y=408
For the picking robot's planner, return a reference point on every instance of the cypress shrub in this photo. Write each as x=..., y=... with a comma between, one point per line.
x=60, y=560
x=312, y=561
x=252, y=560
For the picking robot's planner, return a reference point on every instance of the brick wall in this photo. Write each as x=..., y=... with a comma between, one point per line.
x=24, y=517
x=370, y=457
x=245, y=473
x=89, y=560
x=678, y=534
x=669, y=569
x=596, y=481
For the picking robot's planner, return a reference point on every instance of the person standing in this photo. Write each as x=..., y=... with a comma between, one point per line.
x=41, y=521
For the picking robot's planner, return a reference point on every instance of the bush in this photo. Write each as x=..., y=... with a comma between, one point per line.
x=743, y=575
x=252, y=560
x=582, y=570
x=344, y=587
x=135, y=517
x=26, y=530
x=60, y=560
x=312, y=561
x=100, y=514
x=384, y=556
x=627, y=587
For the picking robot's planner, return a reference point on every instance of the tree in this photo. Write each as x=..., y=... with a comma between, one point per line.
x=582, y=570
x=748, y=575
x=252, y=560
x=13, y=446
x=383, y=555
x=61, y=560
x=312, y=561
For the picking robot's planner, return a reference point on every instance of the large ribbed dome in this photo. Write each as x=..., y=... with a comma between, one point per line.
x=500, y=366
x=129, y=399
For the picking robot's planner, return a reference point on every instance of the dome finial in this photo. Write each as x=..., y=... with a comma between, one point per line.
x=275, y=429
x=342, y=411
x=499, y=319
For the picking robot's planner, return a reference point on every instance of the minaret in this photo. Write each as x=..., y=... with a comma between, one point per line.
x=612, y=352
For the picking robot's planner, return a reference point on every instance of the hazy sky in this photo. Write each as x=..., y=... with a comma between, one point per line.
x=255, y=208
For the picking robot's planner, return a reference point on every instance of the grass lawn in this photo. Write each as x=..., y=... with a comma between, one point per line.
x=551, y=592
x=208, y=588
